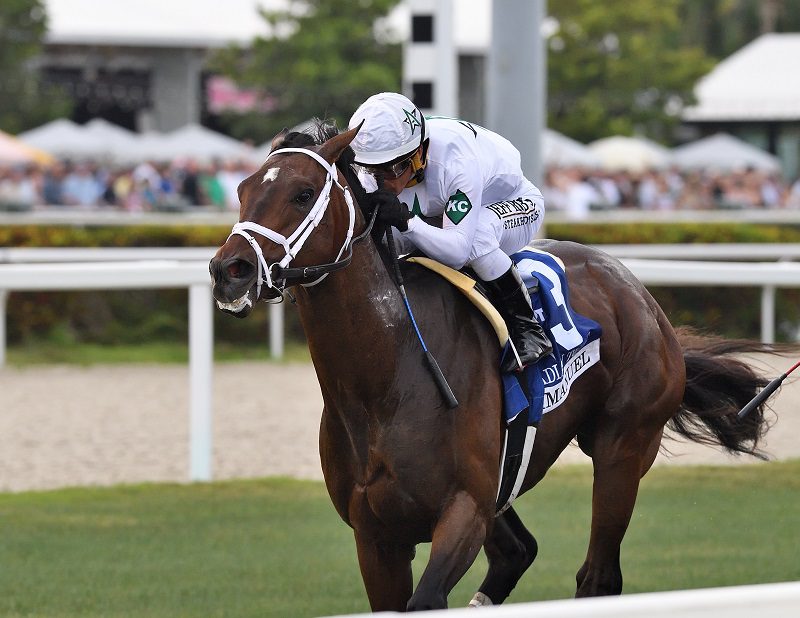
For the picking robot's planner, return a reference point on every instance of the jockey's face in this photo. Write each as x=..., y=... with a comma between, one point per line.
x=396, y=185
x=394, y=178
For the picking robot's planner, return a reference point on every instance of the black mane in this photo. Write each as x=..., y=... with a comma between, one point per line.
x=318, y=133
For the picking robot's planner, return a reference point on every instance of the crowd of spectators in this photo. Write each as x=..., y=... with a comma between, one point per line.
x=148, y=186
x=183, y=185
x=579, y=191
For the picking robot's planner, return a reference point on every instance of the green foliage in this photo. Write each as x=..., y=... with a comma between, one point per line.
x=326, y=58
x=24, y=103
x=722, y=27
x=616, y=67
x=256, y=548
x=672, y=233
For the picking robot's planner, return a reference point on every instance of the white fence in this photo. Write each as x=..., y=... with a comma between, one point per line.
x=194, y=276
x=765, y=601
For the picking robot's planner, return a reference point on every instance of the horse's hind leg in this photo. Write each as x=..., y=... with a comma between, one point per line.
x=386, y=571
x=511, y=549
x=617, y=471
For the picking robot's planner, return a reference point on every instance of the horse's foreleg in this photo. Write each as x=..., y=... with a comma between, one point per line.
x=457, y=537
x=386, y=572
x=511, y=549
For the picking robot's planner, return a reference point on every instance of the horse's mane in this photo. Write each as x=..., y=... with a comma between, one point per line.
x=318, y=133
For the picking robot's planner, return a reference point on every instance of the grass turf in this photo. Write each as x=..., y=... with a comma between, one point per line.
x=275, y=547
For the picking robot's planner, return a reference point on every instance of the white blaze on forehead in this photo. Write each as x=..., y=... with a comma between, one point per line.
x=272, y=174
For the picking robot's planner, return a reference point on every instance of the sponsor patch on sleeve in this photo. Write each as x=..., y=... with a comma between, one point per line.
x=458, y=206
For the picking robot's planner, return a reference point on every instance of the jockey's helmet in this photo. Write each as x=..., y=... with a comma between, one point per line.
x=393, y=129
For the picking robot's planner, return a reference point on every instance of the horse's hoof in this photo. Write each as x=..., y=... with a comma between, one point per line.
x=480, y=600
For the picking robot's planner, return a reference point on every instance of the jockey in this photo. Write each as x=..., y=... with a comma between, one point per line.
x=469, y=180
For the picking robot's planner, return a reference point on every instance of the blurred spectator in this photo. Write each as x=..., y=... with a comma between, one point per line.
x=81, y=187
x=575, y=191
x=229, y=177
x=18, y=190
x=53, y=185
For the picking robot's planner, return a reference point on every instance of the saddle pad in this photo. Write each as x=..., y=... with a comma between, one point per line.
x=467, y=286
x=575, y=338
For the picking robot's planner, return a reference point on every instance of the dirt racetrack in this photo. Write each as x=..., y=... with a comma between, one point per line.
x=64, y=426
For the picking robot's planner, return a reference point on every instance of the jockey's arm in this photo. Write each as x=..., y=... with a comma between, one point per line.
x=451, y=244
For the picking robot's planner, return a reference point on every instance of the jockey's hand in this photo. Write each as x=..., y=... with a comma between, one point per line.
x=390, y=210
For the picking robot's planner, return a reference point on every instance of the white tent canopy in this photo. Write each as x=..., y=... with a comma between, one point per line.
x=633, y=154
x=192, y=141
x=64, y=138
x=103, y=141
x=723, y=152
x=562, y=151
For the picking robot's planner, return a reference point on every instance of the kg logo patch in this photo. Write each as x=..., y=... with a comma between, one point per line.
x=458, y=206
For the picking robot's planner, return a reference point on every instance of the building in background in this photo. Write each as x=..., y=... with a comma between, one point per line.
x=754, y=94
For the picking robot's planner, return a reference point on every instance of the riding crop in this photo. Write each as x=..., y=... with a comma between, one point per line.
x=766, y=392
x=438, y=376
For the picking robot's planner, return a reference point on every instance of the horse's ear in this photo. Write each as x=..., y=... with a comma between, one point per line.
x=276, y=141
x=332, y=149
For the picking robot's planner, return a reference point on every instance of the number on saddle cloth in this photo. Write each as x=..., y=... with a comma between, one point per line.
x=543, y=386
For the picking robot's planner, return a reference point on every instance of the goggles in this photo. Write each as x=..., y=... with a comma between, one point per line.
x=389, y=171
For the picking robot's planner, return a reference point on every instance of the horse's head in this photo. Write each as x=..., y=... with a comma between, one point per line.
x=296, y=222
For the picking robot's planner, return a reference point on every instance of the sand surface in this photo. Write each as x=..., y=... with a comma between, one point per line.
x=64, y=426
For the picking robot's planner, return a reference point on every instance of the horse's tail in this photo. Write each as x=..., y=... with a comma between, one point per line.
x=718, y=385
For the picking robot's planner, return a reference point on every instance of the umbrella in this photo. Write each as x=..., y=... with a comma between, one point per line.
x=14, y=151
x=723, y=152
x=633, y=154
x=562, y=151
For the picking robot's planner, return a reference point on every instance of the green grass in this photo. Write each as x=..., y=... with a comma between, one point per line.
x=49, y=352
x=276, y=547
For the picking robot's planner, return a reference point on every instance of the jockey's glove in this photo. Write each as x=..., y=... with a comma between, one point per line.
x=390, y=210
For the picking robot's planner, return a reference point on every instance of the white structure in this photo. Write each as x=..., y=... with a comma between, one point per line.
x=755, y=94
x=758, y=82
x=429, y=58
x=765, y=601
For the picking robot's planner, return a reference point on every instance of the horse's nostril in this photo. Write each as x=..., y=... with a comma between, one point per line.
x=239, y=269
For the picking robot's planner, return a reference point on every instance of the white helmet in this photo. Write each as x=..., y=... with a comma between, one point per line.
x=393, y=127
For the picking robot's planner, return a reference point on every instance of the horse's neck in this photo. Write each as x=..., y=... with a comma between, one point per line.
x=352, y=315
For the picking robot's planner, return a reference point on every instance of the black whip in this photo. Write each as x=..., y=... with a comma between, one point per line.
x=765, y=392
x=438, y=376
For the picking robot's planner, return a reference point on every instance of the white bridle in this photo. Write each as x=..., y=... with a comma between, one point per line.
x=295, y=241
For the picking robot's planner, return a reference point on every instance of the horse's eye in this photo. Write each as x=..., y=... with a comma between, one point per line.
x=304, y=196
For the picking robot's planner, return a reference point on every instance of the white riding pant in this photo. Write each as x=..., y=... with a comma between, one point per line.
x=505, y=228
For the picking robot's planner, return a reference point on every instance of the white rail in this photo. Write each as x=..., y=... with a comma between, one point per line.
x=700, y=251
x=765, y=601
x=194, y=276
x=133, y=275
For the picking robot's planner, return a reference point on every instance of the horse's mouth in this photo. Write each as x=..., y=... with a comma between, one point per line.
x=241, y=307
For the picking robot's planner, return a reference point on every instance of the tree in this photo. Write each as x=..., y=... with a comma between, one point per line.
x=23, y=102
x=326, y=57
x=722, y=27
x=620, y=67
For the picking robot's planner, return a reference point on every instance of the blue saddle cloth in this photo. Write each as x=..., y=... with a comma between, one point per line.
x=575, y=338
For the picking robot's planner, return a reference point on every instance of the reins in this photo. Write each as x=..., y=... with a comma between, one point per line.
x=269, y=274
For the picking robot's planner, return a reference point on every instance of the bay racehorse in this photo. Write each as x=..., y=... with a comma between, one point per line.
x=400, y=466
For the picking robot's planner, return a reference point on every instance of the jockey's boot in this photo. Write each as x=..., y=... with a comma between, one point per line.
x=510, y=296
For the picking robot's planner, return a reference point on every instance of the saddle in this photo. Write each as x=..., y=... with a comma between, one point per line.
x=545, y=385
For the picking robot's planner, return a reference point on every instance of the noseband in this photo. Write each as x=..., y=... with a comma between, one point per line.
x=270, y=274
